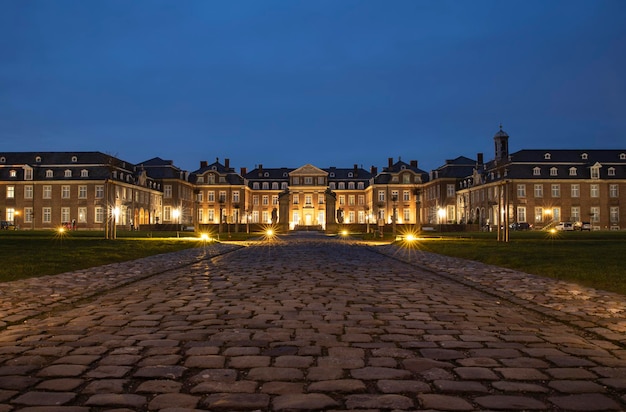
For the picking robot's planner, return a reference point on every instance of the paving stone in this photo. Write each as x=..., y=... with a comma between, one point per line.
x=106, y=386
x=173, y=400
x=444, y=402
x=402, y=386
x=62, y=371
x=476, y=373
x=460, y=386
x=519, y=387
x=585, y=402
x=510, y=403
x=159, y=386
x=338, y=385
x=60, y=385
x=525, y=374
x=160, y=372
x=576, y=386
x=282, y=388
x=225, y=387
x=275, y=374
x=41, y=398
x=114, y=399
x=17, y=382
x=375, y=373
x=236, y=401
x=387, y=401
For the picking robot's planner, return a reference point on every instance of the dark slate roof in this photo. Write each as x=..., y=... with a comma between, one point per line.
x=523, y=163
x=460, y=167
x=98, y=164
x=232, y=177
x=264, y=173
x=343, y=174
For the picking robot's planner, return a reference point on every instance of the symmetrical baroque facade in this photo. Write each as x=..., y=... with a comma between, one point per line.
x=88, y=190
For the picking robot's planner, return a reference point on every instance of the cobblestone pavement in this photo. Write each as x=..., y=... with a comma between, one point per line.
x=308, y=324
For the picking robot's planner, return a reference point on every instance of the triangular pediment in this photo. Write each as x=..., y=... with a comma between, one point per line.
x=308, y=170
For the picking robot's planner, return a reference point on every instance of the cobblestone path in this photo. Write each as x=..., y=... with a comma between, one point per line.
x=304, y=324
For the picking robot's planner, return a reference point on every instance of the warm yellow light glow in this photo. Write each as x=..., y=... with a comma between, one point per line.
x=204, y=236
x=553, y=230
x=61, y=229
x=410, y=238
x=116, y=211
x=344, y=233
x=269, y=232
x=441, y=212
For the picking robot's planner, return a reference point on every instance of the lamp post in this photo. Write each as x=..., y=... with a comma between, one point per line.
x=15, y=223
x=116, y=213
x=394, y=217
x=442, y=214
x=176, y=215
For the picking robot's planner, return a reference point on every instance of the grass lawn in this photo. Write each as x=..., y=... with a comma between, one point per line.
x=595, y=259
x=27, y=254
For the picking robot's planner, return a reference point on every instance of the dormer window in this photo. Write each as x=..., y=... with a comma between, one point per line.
x=12, y=173
x=573, y=171
x=3, y=159
x=536, y=171
x=214, y=168
x=200, y=179
x=67, y=173
x=49, y=173
x=611, y=171
x=342, y=186
x=403, y=167
x=332, y=174
x=74, y=159
x=38, y=159
x=584, y=156
x=595, y=172
x=547, y=156
x=285, y=174
x=553, y=171
x=350, y=174
x=84, y=173
x=622, y=156
x=266, y=174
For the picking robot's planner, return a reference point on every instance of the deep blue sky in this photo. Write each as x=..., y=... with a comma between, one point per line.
x=332, y=83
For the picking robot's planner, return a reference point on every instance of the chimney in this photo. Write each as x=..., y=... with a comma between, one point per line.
x=390, y=160
x=480, y=159
x=374, y=170
x=414, y=163
x=244, y=171
x=260, y=169
x=227, y=164
x=203, y=164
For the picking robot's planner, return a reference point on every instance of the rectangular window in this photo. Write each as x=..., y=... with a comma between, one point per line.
x=46, y=215
x=406, y=196
x=99, y=214
x=538, y=214
x=10, y=192
x=521, y=190
x=274, y=199
x=167, y=191
x=381, y=195
x=28, y=174
x=200, y=216
x=351, y=217
x=265, y=216
x=308, y=200
x=538, y=190
x=575, y=214
x=595, y=172
x=296, y=199
x=575, y=190
x=407, y=215
x=595, y=214
x=236, y=196
x=65, y=192
x=255, y=200
x=211, y=196
x=222, y=196
x=394, y=195
x=296, y=180
x=28, y=192
x=308, y=180
x=82, y=192
x=595, y=190
x=82, y=215
x=351, y=200
x=200, y=196
x=450, y=213
x=521, y=214
x=65, y=214
x=361, y=200
x=47, y=192
x=28, y=215
x=342, y=200
x=99, y=192
x=320, y=199
x=266, y=200
x=211, y=216
x=255, y=216
x=613, y=191
x=361, y=216
x=450, y=190
x=556, y=190
x=167, y=213
x=320, y=180
x=614, y=214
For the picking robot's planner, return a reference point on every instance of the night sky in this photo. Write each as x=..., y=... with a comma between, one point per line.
x=331, y=83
